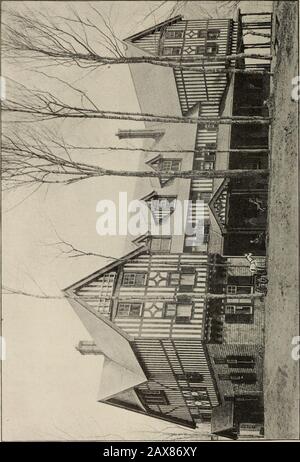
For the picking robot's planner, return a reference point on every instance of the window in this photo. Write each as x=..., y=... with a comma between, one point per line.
x=160, y=244
x=191, y=377
x=245, y=377
x=239, y=314
x=239, y=289
x=170, y=310
x=238, y=309
x=213, y=34
x=184, y=313
x=203, y=165
x=163, y=203
x=240, y=361
x=181, y=312
x=170, y=165
x=174, y=279
x=203, y=196
x=171, y=51
x=134, y=279
x=131, y=310
x=176, y=34
x=187, y=281
x=200, y=50
x=211, y=48
x=153, y=397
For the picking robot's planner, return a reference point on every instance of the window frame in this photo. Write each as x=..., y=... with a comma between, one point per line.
x=161, y=239
x=174, y=34
x=213, y=31
x=135, y=274
x=164, y=401
x=169, y=47
x=179, y=161
x=118, y=315
x=178, y=319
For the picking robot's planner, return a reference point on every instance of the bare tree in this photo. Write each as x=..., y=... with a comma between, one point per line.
x=44, y=105
x=89, y=42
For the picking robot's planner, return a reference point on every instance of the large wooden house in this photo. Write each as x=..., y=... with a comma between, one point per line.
x=146, y=312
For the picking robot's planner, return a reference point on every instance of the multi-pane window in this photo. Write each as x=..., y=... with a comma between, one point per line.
x=171, y=51
x=153, y=397
x=174, y=34
x=239, y=289
x=130, y=310
x=160, y=244
x=203, y=196
x=239, y=314
x=134, y=279
x=181, y=312
x=169, y=165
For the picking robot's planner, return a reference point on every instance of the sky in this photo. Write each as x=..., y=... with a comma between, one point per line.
x=49, y=389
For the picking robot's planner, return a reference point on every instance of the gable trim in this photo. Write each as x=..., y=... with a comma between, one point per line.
x=141, y=34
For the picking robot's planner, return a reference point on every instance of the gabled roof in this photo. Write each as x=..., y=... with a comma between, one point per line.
x=165, y=23
x=121, y=369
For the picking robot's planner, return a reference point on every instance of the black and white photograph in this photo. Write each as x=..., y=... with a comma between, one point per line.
x=150, y=222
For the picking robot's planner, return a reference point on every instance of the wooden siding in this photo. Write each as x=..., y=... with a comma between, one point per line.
x=162, y=360
x=152, y=323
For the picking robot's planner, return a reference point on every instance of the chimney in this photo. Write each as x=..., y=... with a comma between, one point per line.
x=143, y=133
x=88, y=347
